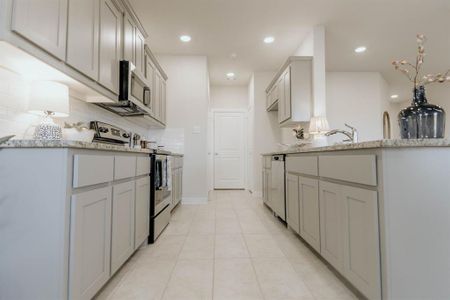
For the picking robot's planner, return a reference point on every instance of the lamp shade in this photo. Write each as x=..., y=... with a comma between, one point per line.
x=49, y=96
x=318, y=125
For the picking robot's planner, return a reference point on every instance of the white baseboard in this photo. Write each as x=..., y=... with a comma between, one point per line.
x=194, y=200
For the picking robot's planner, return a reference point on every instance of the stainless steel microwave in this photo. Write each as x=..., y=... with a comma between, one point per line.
x=132, y=87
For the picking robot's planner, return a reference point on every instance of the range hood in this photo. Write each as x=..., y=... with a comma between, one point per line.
x=124, y=108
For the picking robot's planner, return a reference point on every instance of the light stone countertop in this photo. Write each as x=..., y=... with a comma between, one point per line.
x=71, y=144
x=394, y=143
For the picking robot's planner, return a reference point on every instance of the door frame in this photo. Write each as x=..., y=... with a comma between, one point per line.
x=211, y=137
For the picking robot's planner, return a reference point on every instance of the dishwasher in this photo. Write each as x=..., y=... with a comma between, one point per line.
x=277, y=187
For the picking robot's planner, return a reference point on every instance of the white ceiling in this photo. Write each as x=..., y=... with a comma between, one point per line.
x=222, y=27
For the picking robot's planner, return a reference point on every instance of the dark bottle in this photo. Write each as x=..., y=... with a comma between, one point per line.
x=421, y=120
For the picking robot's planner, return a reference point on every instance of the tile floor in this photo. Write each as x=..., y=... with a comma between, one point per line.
x=230, y=248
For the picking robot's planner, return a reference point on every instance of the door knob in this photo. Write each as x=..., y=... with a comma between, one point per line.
x=215, y=153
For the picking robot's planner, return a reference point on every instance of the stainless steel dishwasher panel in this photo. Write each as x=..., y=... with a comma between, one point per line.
x=277, y=187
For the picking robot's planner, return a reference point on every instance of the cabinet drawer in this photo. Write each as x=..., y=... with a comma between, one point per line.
x=92, y=169
x=142, y=165
x=352, y=168
x=302, y=164
x=124, y=167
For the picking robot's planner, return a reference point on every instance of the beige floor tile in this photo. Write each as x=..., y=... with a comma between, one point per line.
x=227, y=226
x=146, y=281
x=198, y=247
x=279, y=281
x=230, y=246
x=178, y=227
x=225, y=213
x=165, y=247
x=235, y=279
x=203, y=226
x=262, y=246
x=252, y=225
x=191, y=279
x=322, y=283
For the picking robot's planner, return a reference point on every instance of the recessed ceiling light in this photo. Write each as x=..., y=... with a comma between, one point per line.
x=269, y=39
x=185, y=38
x=360, y=49
x=394, y=96
x=231, y=76
x=233, y=55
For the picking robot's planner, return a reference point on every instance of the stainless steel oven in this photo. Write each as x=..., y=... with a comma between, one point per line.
x=160, y=196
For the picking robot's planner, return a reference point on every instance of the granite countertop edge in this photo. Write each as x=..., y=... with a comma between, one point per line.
x=71, y=144
x=394, y=143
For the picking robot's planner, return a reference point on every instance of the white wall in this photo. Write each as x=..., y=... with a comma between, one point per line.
x=229, y=97
x=187, y=114
x=359, y=99
x=266, y=130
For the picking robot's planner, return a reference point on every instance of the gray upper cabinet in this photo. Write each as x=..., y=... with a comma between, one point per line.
x=122, y=240
x=83, y=36
x=129, y=30
x=139, y=52
x=163, y=101
x=157, y=96
x=290, y=92
x=309, y=211
x=90, y=242
x=42, y=22
x=110, y=45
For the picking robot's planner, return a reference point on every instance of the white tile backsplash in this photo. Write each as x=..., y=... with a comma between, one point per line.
x=20, y=123
x=171, y=138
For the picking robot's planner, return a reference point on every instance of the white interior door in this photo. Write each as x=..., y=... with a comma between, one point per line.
x=229, y=162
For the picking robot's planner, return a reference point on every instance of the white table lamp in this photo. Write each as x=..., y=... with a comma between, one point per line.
x=318, y=126
x=48, y=99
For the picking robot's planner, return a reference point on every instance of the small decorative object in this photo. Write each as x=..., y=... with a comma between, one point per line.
x=299, y=133
x=78, y=132
x=49, y=99
x=421, y=119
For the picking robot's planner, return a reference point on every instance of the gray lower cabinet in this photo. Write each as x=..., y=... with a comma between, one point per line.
x=110, y=45
x=349, y=235
x=331, y=233
x=42, y=22
x=83, y=36
x=361, y=236
x=90, y=242
x=308, y=196
x=123, y=209
x=142, y=208
x=292, y=202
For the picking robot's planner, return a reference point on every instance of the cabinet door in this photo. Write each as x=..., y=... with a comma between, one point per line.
x=292, y=202
x=281, y=103
x=110, y=45
x=362, y=256
x=42, y=22
x=139, y=51
x=142, y=211
x=309, y=211
x=268, y=188
x=129, y=39
x=331, y=233
x=157, y=96
x=163, y=101
x=83, y=36
x=90, y=242
x=122, y=240
x=287, y=94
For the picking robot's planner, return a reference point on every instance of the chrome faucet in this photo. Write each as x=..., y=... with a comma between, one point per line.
x=352, y=135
